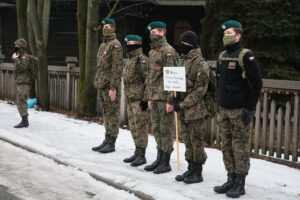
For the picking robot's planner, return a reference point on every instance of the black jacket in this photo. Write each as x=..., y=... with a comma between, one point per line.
x=234, y=91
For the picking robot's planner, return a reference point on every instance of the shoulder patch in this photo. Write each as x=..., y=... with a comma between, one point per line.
x=251, y=58
x=24, y=56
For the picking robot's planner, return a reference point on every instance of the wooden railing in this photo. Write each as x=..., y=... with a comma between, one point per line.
x=275, y=130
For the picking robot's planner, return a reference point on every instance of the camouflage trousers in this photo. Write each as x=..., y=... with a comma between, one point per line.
x=138, y=124
x=22, y=96
x=162, y=124
x=235, y=140
x=110, y=112
x=193, y=138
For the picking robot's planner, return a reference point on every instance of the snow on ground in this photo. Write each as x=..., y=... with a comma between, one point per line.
x=33, y=177
x=71, y=140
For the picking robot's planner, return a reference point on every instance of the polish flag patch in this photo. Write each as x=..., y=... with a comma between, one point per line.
x=251, y=58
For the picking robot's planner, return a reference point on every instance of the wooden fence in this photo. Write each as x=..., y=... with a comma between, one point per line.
x=275, y=130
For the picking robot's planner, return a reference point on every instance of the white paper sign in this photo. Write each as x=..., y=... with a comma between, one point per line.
x=174, y=79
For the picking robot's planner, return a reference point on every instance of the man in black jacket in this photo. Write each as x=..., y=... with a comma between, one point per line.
x=239, y=86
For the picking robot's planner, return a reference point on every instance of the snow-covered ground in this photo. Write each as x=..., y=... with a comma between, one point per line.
x=71, y=140
x=32, y=177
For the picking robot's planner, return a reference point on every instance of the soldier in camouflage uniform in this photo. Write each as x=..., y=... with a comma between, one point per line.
x=239, y=85
x=134, y=77
x=108, y=81
x=159, y=101
x=21, y=61
x=192, y=106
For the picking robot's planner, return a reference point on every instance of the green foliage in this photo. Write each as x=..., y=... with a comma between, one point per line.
x=271, y=29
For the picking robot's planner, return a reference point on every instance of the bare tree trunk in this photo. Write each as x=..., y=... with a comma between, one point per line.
x=91, y=57
x=81, y=26
x=21, y=18
x=40, y=7
x=41, y=51
x=45, y=21
x=31, y=40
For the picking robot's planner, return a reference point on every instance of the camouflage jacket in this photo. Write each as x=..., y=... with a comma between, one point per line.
x=134, y=76
x=22, y=65
x=197, y=78
x=109, y=64
x=161, y=54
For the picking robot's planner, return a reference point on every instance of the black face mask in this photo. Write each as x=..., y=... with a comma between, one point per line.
x=133, y=47
x=184, y=49
x=16, y=50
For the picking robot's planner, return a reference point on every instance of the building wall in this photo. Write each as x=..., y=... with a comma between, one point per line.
x=63, y=27
x=62, y=32
x=172, y=15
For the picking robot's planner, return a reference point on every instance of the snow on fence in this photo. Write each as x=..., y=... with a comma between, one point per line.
x=275, y=130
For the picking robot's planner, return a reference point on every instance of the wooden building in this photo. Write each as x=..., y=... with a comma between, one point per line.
x=180, y=15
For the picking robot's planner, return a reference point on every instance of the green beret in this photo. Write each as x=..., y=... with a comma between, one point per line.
x=156, y=24
x=133, y=39
x=231, y=24
x=108, y=21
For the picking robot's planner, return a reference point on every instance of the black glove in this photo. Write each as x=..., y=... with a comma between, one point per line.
x=176, y=104
x=176, y=107
x=143, y=105
x=247, y=117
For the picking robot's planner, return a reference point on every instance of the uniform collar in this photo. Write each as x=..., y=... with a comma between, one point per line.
x=135, y=53
x=234, y=47
x=193, y=53
x=109, y=38
x=160, y=43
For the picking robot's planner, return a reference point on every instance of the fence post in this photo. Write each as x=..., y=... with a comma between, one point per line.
x=71, y=64
x=272, y=128
x=287, y=131
x=295, y=128
x=278, y=133
x=257, y=127
x=264, y=123
x=2, y=56
x=213, y=131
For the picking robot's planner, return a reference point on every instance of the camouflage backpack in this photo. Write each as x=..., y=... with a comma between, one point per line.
x=33, y=67
x=211, y=95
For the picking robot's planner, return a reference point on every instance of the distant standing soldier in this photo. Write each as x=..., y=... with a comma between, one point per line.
x=134, y=77
x=21, y=61
x=159, y=101
x=192, y=106
x=239, y=85
x=108, y=82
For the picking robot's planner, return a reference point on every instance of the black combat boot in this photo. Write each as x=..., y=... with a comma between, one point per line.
x=97, y=148
x=164, y=165
x=196, y=175
x=156, y=162
x=226, y=186
x=131, y=158
x=140, y=158
x=110, y=146
x=185, y=174
x=23, y=123
x=238, y=188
